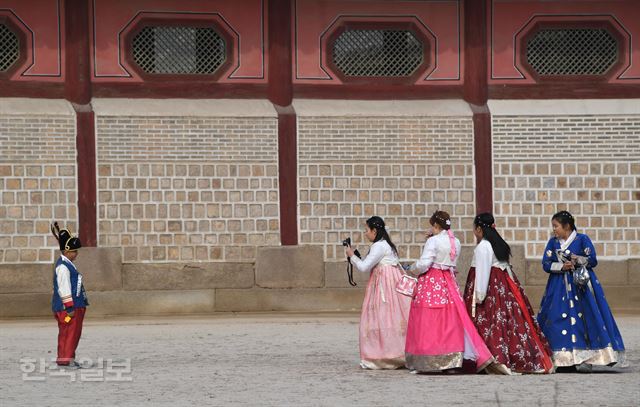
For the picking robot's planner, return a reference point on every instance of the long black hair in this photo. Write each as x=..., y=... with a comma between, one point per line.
x=376, y=222
x=565, y=218
x=487, y=223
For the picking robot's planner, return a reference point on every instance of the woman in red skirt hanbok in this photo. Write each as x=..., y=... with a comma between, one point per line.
x=500, y=309
x=440, y=334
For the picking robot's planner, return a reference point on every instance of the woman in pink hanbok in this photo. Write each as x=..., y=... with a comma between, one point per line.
x=440, y=334
x=383, y=322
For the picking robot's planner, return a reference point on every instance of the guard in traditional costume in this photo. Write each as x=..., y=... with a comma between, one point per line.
x=69, y=299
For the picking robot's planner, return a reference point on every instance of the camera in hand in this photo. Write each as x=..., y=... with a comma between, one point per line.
x=347, y=243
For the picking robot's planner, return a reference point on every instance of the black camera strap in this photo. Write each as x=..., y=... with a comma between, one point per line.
x=350, y=273
x=350, y=269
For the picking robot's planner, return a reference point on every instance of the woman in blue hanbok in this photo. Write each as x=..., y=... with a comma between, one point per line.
x=574, y=314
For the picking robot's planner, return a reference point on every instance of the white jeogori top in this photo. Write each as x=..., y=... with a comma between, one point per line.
x=379, y=253
x=64, y=280
x=483, y=260
x=437, y=250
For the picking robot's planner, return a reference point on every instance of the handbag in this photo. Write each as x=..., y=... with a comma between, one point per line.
x=581, y=276
x=406, y=285
x=581, y=273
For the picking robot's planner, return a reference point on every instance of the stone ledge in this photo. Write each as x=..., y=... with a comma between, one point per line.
x=191, y=276
x=336, y=299
x=25, y=305
x=609, y=272
x=183, y=302
x=619, y=297
x=101, y=268
x=115, y=303
x=290, y=267
x=152, y=302
x=534, y=275
x=335, y=276
x=26, y=278
x=634, y=271
x=534, y=294
x=612, y=272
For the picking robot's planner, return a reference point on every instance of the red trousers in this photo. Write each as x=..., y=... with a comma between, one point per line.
x=68, y=335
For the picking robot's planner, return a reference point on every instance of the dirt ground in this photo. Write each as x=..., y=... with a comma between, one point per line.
x=270, y=360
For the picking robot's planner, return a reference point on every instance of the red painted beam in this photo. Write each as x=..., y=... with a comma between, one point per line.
x=24, y=89
x=482, y=158
x=280, y=93
x=288, y=175
x=280, y=88
x=476, y=93
x=378, y=92
x=179, y=89
x=77, y=70
x=77, y=90
x=475, y=52
x=86, y=149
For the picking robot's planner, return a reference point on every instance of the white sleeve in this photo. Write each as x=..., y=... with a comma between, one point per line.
x=427, y=258
x=376, y=253
x=556, y=266
x=63, y=279
x=483, y=258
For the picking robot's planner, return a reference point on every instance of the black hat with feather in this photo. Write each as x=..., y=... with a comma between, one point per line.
x=64, y=238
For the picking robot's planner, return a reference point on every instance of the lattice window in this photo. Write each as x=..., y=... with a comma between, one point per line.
x=9, y=48
x=179, y=50
x=377, y=53
x=572, y=51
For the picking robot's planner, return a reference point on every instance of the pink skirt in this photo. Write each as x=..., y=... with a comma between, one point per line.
x=383, y=322
x=440, y=333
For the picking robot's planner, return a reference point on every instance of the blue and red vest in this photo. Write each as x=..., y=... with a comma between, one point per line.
x=77, y=289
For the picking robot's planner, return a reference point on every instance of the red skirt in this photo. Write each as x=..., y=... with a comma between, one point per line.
x=505, y=321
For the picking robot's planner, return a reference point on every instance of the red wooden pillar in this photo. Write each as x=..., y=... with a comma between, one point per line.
x=476, y=94
x=482, y=158
x=280, y=92
x=77, y=90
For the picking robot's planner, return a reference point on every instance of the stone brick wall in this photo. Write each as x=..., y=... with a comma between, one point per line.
x=183, y=189
x=396, y=164
x=188, y=202
x=588, y=164
x=37, y=178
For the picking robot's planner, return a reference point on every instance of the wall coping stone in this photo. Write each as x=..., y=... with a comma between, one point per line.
x=381, y=108
x=564, y=107
x=35, y=107
x=184, y=107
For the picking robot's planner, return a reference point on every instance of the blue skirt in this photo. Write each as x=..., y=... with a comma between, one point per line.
x=578, y=323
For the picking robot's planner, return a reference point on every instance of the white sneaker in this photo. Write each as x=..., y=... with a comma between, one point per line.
x=584, y=368
x=71, y=366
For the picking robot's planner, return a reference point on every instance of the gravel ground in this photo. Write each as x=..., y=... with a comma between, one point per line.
x=267, y=359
